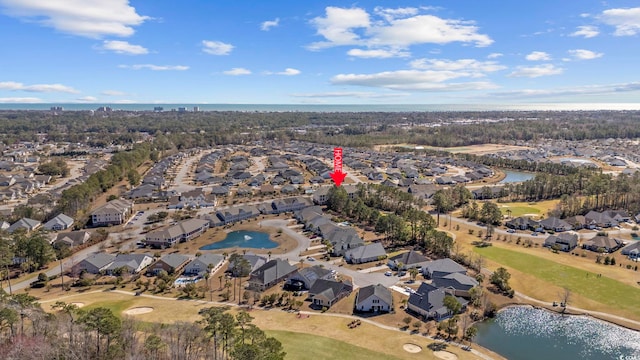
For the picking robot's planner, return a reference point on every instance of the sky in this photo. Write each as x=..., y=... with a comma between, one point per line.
x=319, y=52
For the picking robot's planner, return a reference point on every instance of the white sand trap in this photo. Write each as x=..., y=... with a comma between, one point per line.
x=412, y=348
x=78, y=304
x=445, y=355
x=138, y=310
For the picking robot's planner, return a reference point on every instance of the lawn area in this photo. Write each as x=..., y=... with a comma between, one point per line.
x=603, y=290
x=306, y=346
x=541, y=208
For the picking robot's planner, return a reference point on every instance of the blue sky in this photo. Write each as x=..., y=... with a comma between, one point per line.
x=296, y=52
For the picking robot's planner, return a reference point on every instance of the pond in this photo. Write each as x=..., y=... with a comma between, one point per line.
x=516, y=176
x=523, y=333
x=243, y=239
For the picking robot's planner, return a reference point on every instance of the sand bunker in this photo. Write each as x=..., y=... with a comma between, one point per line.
x=412, y=348
x=78, y=304
x=445, y=355
x=138, y=310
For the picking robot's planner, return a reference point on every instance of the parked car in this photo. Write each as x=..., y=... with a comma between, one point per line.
x=388, y=273
x=511, y=231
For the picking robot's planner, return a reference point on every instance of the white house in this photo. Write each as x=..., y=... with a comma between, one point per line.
x=60, y=222
x=374, y=298
x=115, y=212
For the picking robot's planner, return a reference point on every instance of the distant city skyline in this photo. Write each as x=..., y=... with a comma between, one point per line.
x=297, y=52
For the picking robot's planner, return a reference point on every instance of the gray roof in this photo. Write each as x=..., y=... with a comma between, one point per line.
x=329, y=288
x=61, y=219
x=445, y=265
x=455, y=280
x=409, y=258
x=24, y=223
x=100, y=260
x=378, y=290
x=208, y=258
x=271, y=271
x=431, y=299
x=366, y=251
x=174, y=260
x=313, y=273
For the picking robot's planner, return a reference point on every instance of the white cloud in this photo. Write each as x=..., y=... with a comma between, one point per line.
x=626, y=21
x=16, y=86
x=581, y=54
x=87, y=99
x=412, y=80
x=216, y=47
x=237, y=72
x=123, y=47
x=536, y=71
x=392, y=14
x=89, y=18
x=391, y=29
x=474, y=67
x=586, y=31
x=494, y=55
x=155, y=67
x=113, y=93
x=289, y=72
x=538, y=56
x=578, y=90
x=267, y=25
x=377, y=53
x=20, y=100
x=356, y=94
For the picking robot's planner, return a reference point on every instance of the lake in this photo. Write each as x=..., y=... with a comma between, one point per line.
x=525, y=333
x=243, y=239
x=516, y=176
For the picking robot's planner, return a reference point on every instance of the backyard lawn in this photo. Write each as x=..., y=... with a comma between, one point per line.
x=540, y=209
x=603, y=290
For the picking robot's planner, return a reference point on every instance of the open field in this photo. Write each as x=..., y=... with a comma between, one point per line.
x=540, y=209
x=305, y=346
x=604, y=290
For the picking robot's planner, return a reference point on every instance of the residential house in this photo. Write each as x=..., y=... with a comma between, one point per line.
x=428, y=303
x=442, y=267
x=203, y=263
x=290, y=204
x=4, y=225
x=131, y=263
x=255, y=262
x=408, y=260
x=115, y=212
x=171, y=263
x=71, y=239
x=365, y=253
x=195, y=198
x=374, y=298
x=307, y=276
x=181, y=232
x=619, y=215
x=325, y=293
x=632, y=251
x=597, y=219
x=577, y=222
x=565, y=241
x=60, y=222
x=555, y=224
x=523, y=223
x=456, y=284
x=341, y=238
x=236, y=213
x=26, y=224
x=94, y=264
x=269, y=274
x=602, y=242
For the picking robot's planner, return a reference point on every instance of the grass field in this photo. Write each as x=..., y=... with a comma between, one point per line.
x=306, y=346
x=603, y=290
x=519, y=210
x=541, y=208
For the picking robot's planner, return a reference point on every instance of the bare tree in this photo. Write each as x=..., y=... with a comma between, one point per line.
x=565, y=296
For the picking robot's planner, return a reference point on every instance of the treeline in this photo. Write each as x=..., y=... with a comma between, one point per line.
x=401, y=220
x=27, y=332
x=362, y=129
x=77, y=198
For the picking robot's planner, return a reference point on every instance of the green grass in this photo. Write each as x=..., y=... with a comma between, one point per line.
x=603, y=289
x=117, y=307
x=519, y=210
x=307, y=346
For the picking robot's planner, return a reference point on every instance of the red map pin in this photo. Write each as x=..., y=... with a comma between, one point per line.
x=337, y=175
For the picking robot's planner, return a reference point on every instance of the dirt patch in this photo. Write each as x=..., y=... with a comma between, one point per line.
x=138, y=310
x=78, y=304
x=412, y=348
x=445, y=355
